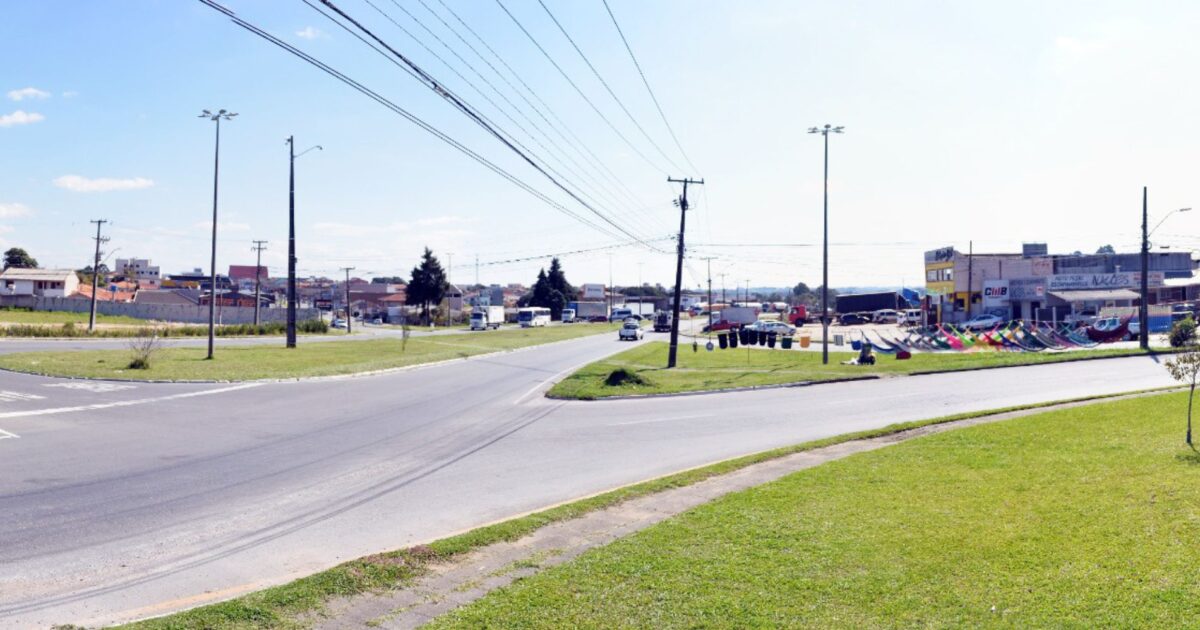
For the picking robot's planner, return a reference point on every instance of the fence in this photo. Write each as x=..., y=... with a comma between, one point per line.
x=181, y=313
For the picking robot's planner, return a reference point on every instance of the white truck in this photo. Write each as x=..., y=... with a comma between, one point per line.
x=484, y=317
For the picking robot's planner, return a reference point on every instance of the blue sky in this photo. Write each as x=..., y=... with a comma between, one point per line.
x=998, y=123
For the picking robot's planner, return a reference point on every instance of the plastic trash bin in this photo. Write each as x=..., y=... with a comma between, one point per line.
x=762, y=338
x=805, y=341
x=771, y=337
x=723, y=340
x=785, y=343
x=743, y=336
x=733, y=339
x=751, y=337
x=840, y=340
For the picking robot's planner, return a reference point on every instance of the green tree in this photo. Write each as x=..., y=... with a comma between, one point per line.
x=1185, y=368
x=388, y=280
x=428, y=285
x=19, y=258
x=800, y=290
x=1106, y=249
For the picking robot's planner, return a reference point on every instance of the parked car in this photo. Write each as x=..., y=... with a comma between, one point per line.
x=338, y=323
x=886, y=316
x=597, y=319
x=769, y=326
x=852, y=319
x=983, y=321
x=911, y=317
x=631, y=330
x=378, y=321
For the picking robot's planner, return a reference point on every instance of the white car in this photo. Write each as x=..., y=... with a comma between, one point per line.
x=631, y=330
x=338, y=323
x=983, y=322
x=769, y=326
x=886, y=316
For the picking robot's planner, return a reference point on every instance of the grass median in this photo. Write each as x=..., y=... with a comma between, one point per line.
x=233, y=363
x=1080, y=517
x=640, y=370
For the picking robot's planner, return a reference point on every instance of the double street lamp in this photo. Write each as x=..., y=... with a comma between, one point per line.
x=212, y=302
x=825, y=131
x=1144, y=305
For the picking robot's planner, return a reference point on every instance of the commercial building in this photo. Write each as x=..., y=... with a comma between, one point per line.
x=1036, y=285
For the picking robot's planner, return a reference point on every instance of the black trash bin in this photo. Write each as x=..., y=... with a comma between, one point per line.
x=762, y=338
x=743, y=336
x=723, y=340
x=751, y=337
x=771, y=340
x=733, y=338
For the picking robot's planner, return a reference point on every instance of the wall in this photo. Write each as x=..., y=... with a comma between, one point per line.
x=181, y=313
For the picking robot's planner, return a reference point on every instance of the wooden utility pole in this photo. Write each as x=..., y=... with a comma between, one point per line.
x=259, y=246
x=96, y=273
x=683, y=206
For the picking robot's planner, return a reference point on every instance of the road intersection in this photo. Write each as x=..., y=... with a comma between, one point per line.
x=126, y=500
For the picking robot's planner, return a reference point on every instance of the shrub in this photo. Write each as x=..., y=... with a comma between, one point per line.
x=144, y=346
x=1183, y=332
x=623, y=377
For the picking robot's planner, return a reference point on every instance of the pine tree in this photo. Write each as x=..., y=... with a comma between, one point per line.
x=428, y=285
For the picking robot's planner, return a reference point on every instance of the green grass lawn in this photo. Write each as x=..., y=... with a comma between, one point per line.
x=723, y=369
x=1084, y=517
x=307, y=359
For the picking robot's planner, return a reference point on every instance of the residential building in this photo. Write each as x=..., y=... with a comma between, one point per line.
x=243, y=276
x=138, y=270
x=39, y=282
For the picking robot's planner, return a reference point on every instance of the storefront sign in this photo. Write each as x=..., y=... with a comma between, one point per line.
x=1123, y=280
x=1027, y=289
x=995, y=294
x=945, y=254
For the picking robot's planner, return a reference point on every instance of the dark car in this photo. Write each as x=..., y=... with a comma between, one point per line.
x=598, y=319
x=853, y=319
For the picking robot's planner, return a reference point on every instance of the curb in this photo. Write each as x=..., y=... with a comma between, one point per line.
x=748, y=388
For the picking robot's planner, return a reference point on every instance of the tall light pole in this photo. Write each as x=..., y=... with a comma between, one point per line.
x=212, y=302
x=825, y=131
x=291, y=285
x=1144, y=306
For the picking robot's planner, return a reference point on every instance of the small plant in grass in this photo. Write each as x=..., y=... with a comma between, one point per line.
x=144, y=346
x=1183, y=332
x=1185, y=368
x=622, y=377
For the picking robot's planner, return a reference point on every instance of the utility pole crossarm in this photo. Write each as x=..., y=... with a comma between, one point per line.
x=683, y=207
x=96, y=273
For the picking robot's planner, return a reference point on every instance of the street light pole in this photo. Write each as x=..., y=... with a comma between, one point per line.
x=825, y=131
x=1144, y=306
x=291, y=285
x=212, y=302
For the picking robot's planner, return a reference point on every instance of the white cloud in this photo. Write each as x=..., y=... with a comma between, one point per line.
x=20, y=118
x=309, y=33
x=77, y=183
x=13, y=210
x=29, y=92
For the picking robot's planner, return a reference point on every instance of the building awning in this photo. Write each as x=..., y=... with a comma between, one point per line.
x=1096, y=295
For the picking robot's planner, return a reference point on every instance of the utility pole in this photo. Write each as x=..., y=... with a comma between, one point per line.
x=708, y=261
x=96, y=273
x=610, y=286
x=970, y=274
x=722, y=288
x=212, y=302
x=1144, y=306
x=825, y=131
x=349, y=313
x=259, y=246
x=477, y=272
x=683, y=206
x=292, y=298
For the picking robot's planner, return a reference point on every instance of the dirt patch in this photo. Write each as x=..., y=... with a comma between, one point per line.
x=622, y=377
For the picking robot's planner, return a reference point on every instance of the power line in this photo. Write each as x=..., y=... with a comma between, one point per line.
x=438, y=88
x=650, y=91
x=606, y=86
x=562, y=72
x=404, y=114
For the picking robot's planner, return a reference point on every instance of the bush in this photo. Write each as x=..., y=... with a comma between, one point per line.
x=144, y=347
x=1183, y=332
x=623, y=377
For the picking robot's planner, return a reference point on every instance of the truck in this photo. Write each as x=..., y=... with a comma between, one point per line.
x=585, y=311
x=484, y=317
x=870, y=302
x=798, y=315
x=645, y=309
x=662, y=321
x=733, y=316
x=568, y=315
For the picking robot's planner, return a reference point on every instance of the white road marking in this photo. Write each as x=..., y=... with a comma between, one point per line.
x=124, y=403
x=621, y=424
x=6, y=395
x=91, y=386
x=547, y=381
x=4, y=435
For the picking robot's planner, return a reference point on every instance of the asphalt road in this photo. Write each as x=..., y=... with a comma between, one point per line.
x=120, y=501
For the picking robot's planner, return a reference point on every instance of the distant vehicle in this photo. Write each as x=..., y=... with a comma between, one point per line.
x=886, y=316
x=662, y=322
x=338, y=323
x=631, y=330
x=798, y=315
x=732, y=316
x=619, y=314
x=911, y=317
x=983, y=321
x=378, y=321
x=852, y=319
x=598, y=319
x=533, y=316
x=772, y=326
x=568, y=315
x=484, y=317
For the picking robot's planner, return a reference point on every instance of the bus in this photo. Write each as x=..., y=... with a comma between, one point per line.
x=533, y=316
